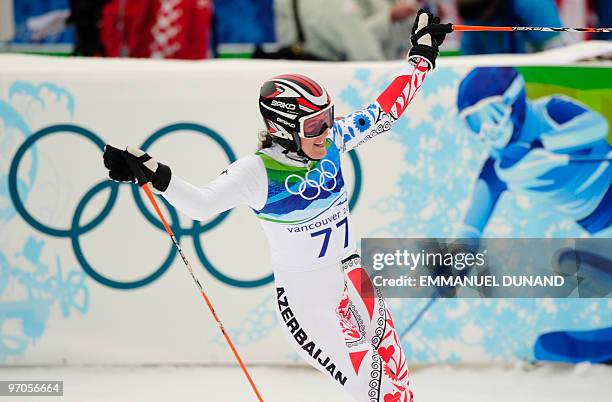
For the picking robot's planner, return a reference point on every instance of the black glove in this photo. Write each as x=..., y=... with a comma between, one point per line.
x=427, y=36
x=135, y=166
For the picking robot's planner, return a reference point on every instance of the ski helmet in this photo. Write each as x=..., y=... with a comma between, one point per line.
x=295, y=106
x=492, y=102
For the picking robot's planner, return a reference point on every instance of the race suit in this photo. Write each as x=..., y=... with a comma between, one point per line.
x=327, y=306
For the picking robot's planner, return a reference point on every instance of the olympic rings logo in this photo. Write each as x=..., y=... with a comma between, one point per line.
x=78, y=228
x=307, y=182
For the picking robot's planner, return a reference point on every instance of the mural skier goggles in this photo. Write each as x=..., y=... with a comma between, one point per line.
x=488, y=118
x=492, y=116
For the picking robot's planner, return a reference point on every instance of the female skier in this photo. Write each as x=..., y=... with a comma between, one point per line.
x=327, y=306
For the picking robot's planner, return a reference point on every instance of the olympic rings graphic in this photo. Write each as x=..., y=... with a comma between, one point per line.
x=306, y=182
x=77, y=228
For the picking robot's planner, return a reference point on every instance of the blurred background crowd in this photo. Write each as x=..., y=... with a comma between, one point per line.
x=333, y=30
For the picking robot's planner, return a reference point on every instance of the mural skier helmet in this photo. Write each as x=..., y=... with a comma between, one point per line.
x=492, y=102
x=294, y=106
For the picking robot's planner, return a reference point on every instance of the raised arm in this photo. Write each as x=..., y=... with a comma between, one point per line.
x=377, y=117
x=244, y=182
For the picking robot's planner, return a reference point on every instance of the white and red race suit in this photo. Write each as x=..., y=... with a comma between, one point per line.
x=327, y=306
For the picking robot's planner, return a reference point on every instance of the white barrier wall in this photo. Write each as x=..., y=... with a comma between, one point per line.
x=85, y=275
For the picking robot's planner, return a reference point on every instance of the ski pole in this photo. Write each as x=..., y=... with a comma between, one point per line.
x=483, y=28
x=420, y=315
x=145, y=186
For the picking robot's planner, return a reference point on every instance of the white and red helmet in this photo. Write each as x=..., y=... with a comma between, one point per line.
x=295, y=106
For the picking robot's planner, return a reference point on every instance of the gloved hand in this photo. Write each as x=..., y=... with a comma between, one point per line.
x=427, y=36
x=135, y=166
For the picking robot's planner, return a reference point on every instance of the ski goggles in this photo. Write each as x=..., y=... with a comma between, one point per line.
x=316, y=124
x=493, y=112
x=487, y=117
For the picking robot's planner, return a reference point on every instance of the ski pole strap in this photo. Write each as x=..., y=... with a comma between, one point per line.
x=141, y=178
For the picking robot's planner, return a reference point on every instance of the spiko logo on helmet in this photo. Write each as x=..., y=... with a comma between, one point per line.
x=295, y=106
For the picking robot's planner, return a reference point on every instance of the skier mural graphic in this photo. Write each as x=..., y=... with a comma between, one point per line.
x=553, y=150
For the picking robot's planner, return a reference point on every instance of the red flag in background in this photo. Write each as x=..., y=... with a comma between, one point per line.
x=181, y=29
x=168, y=29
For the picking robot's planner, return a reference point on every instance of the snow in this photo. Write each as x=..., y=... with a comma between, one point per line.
x=523, y=383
